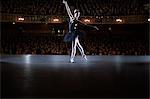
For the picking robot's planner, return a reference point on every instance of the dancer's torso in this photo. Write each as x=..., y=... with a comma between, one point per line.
x=73, y=26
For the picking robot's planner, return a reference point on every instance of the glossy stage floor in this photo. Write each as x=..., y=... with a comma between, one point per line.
x=46, y=76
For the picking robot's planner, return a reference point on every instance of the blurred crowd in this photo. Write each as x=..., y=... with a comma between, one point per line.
x=93, y=46
x=116, y=46
x=87, y=7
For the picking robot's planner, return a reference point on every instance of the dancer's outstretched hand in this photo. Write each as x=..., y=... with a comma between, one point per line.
x=96, y=27
x=64, y=1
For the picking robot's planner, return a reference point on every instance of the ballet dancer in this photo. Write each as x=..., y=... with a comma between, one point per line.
x=74, y=34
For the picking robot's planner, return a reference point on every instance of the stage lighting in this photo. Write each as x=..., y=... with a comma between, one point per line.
x=87, y=20
x=118, y=20
x=14, y=23
x=20, y=19
x=96, y=17
x=109, y=28
x=56, y=20
x=149, y=19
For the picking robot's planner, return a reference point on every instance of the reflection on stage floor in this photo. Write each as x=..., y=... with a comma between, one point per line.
x=47, y=76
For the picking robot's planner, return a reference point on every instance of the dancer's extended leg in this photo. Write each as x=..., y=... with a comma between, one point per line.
x=73, y=52
x=81, y=49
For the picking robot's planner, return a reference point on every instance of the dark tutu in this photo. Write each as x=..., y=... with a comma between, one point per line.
x=71, y=36
x=68, y=37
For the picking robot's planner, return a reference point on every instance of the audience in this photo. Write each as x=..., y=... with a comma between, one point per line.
x=92, y=45
x=54, y=45
x=87, y=7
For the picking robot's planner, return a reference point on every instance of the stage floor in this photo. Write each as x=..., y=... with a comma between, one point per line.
x=47, y=76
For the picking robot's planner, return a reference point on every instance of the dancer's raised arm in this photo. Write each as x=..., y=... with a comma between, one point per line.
x=68, y=10
x=88, y=27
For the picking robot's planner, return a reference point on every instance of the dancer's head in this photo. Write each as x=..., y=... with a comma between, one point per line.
x=76, y=14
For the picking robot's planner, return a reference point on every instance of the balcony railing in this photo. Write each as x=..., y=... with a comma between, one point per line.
x=132, y=19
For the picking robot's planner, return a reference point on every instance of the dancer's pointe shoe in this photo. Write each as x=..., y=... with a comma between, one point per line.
x=84, y=56
x=71, y=60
